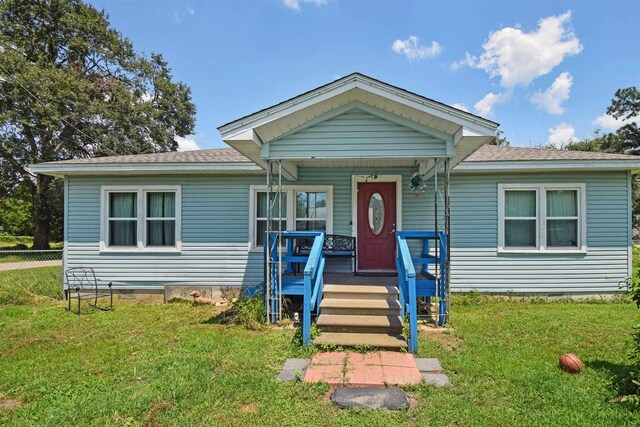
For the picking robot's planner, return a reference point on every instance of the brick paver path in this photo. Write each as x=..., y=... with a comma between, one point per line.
x=377, y=369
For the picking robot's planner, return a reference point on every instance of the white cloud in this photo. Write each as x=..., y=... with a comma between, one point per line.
x=460, y=106
x=551, y=99
x=186, y=144
x=466, y=62
x=295, y=4
x=562, y=134
x=519, y=57
x=190, y=10
x=412, y=50
x=484, y=107
x=611, y=123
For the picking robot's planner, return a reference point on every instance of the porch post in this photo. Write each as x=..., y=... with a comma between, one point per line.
x=447, y=215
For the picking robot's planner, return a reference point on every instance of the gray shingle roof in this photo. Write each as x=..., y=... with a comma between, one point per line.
x=493, y=153
x=486, y=153
x=213, y=155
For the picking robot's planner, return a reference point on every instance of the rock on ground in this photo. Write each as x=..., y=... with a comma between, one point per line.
x=391, y=399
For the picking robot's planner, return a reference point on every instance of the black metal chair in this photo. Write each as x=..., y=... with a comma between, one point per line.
x=82, y=281
x=335, y=246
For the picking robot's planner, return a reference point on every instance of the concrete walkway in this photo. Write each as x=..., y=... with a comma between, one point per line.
x=7, y=266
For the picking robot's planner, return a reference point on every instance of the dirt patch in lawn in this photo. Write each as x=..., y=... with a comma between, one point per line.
x=249, y=409
x=19, y=345
x=444, y=337
x=8, y=404
x=155, y=409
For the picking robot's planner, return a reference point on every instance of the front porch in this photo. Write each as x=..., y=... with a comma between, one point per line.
x=359, y=310
x=348, y=158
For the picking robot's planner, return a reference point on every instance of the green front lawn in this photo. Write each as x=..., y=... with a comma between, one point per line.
x=173, y=364
x=21, y=243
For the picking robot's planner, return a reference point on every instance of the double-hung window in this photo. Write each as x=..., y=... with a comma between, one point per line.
x=311, y=210
x=140, y=218
x=541, y=217
x=306, y=208
x=261, y=215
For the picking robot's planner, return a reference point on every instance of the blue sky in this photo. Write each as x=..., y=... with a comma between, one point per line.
x=545, y=70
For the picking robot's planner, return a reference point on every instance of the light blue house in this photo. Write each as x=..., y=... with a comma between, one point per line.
x=340, y=159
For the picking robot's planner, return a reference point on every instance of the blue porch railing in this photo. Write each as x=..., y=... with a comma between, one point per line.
x=425, y=283
x=283, y=282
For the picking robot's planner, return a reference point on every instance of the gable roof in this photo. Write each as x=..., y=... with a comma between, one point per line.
x=462, y=131
x=353, y=76
x=493, y=153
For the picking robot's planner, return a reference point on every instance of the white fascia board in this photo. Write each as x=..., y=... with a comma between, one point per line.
x=542, y=166
x=143, y=168
x=244, y=136
x=482, y=126
x=296, y=104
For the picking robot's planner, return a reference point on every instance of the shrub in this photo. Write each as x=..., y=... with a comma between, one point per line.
x=634, y=355
x=250, y=312
x=247, y=311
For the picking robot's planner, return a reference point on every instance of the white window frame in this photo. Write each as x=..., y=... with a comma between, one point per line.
x=141, y=218
x=541, y=218
x=290, y=222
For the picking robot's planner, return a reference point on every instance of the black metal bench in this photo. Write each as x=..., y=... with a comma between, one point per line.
x=335, y=246
x=82, y=281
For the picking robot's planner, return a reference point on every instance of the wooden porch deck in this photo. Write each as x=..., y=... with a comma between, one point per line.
x=350, y=279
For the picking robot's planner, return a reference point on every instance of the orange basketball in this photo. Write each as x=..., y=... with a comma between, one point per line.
x=570, y=363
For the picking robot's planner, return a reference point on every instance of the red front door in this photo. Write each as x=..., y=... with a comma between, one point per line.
x=376, y=226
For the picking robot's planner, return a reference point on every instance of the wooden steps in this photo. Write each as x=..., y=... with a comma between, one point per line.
x=352, y=315
x=353, y=339
x=359, y=291
x=365, y=307
x=361, y=324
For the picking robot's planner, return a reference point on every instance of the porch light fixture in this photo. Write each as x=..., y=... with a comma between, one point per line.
x=416, y=184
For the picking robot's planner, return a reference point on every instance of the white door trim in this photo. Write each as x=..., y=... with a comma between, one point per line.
x=355, y=179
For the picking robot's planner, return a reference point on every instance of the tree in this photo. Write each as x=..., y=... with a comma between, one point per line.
x=626, y=140
x=16, y=214
x=72, y=87
x=626, y=106
x=499, y=139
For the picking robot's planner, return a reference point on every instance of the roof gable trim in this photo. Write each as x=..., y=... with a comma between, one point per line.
x=362, y=82
x=376, y=112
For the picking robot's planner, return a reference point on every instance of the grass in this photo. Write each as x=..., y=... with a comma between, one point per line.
x=174, y=365
x=30, y=286
x=15, y=243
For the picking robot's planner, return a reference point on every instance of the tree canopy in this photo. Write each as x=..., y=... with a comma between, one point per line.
x=71, y=86
x=626, y=140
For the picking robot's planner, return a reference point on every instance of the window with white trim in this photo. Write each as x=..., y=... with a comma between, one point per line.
x=140, y=218
x=541, y=217
x=311, y=210
x=261, y=212
x=303, y=208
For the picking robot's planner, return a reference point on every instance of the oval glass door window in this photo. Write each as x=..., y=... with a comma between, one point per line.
x=376, y=213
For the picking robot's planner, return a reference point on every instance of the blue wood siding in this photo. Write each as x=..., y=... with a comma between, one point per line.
x=475, y=263
x=215, y=232
x=355, y=134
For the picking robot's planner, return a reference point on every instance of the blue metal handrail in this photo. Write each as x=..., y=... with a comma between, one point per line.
x=311, y=285
x=427, y=285
x=407, y=290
